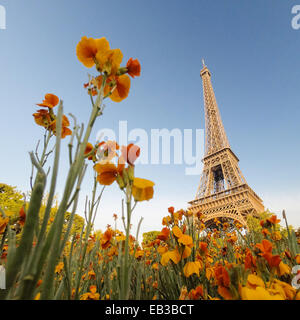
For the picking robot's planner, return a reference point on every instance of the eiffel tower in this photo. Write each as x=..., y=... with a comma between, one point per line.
x=223, y=192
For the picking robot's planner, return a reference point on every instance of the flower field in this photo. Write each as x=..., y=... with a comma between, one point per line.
x=51, y=253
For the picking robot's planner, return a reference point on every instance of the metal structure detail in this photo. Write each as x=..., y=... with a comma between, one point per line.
x=223, y=191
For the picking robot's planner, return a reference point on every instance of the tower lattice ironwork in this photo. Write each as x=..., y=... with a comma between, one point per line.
x=223, y=192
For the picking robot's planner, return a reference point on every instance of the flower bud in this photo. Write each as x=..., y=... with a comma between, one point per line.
x=120, y=181
x=130, y=172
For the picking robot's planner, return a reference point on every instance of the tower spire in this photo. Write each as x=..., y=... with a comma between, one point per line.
x=223, y=192
x=215, y=136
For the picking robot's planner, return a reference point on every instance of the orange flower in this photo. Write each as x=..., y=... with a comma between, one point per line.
x=166, y=221
x=203, y=247
x=105, y=240
x=107, y=150
x=265, y=232
x=3, y=224
x=118, y=87
x=195, y=294
x=186, y=240
x=130, y=153
x=65, y=131
x=186, y=252
x=59, y=267
x=225, y=293
x=265, y=247
x=92, y=275
x=266, y=251
x=177, y=232
x=164, y=234
x=273, y=219
x=92, y=295
x=222, y=276
x=89, y=147
x=42, y=118
x=133, y=68
x=142, y=189
x=173, y=255
x=107, y=172
x=50, y=101
x=88, y=48
x=109, y=61
x=22, y=216
x=171, y=210
x=250, y=261
x=182, y=238
x=191, y=268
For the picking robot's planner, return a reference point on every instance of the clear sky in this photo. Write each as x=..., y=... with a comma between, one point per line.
x=249, y=46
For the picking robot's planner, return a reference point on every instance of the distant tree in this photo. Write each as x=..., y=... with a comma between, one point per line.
x=150, y=236
x=11, y=200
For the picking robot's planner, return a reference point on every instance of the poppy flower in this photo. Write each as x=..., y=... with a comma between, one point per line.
x=107, y=172
x=50, y=101
x=142, y=189
x=133, y=68
x=88, y=48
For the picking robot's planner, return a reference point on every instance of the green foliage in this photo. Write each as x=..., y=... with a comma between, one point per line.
x=10, y=200
x=149, y=236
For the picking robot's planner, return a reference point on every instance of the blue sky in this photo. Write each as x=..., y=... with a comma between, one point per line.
x=249, y=46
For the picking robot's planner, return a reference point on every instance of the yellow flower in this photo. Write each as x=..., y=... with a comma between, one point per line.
x=283, y=288
x=88, y=48
x=109, y=61
x=209, y=273
x=186, y=252
x=173, y=255
x=254, y=281
x=142, y=189
x=284, y=269
x=92, y=295
x=258, y=293
x=191, y=267
x=120, y=88
x=3, y=224
x=59, y=267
